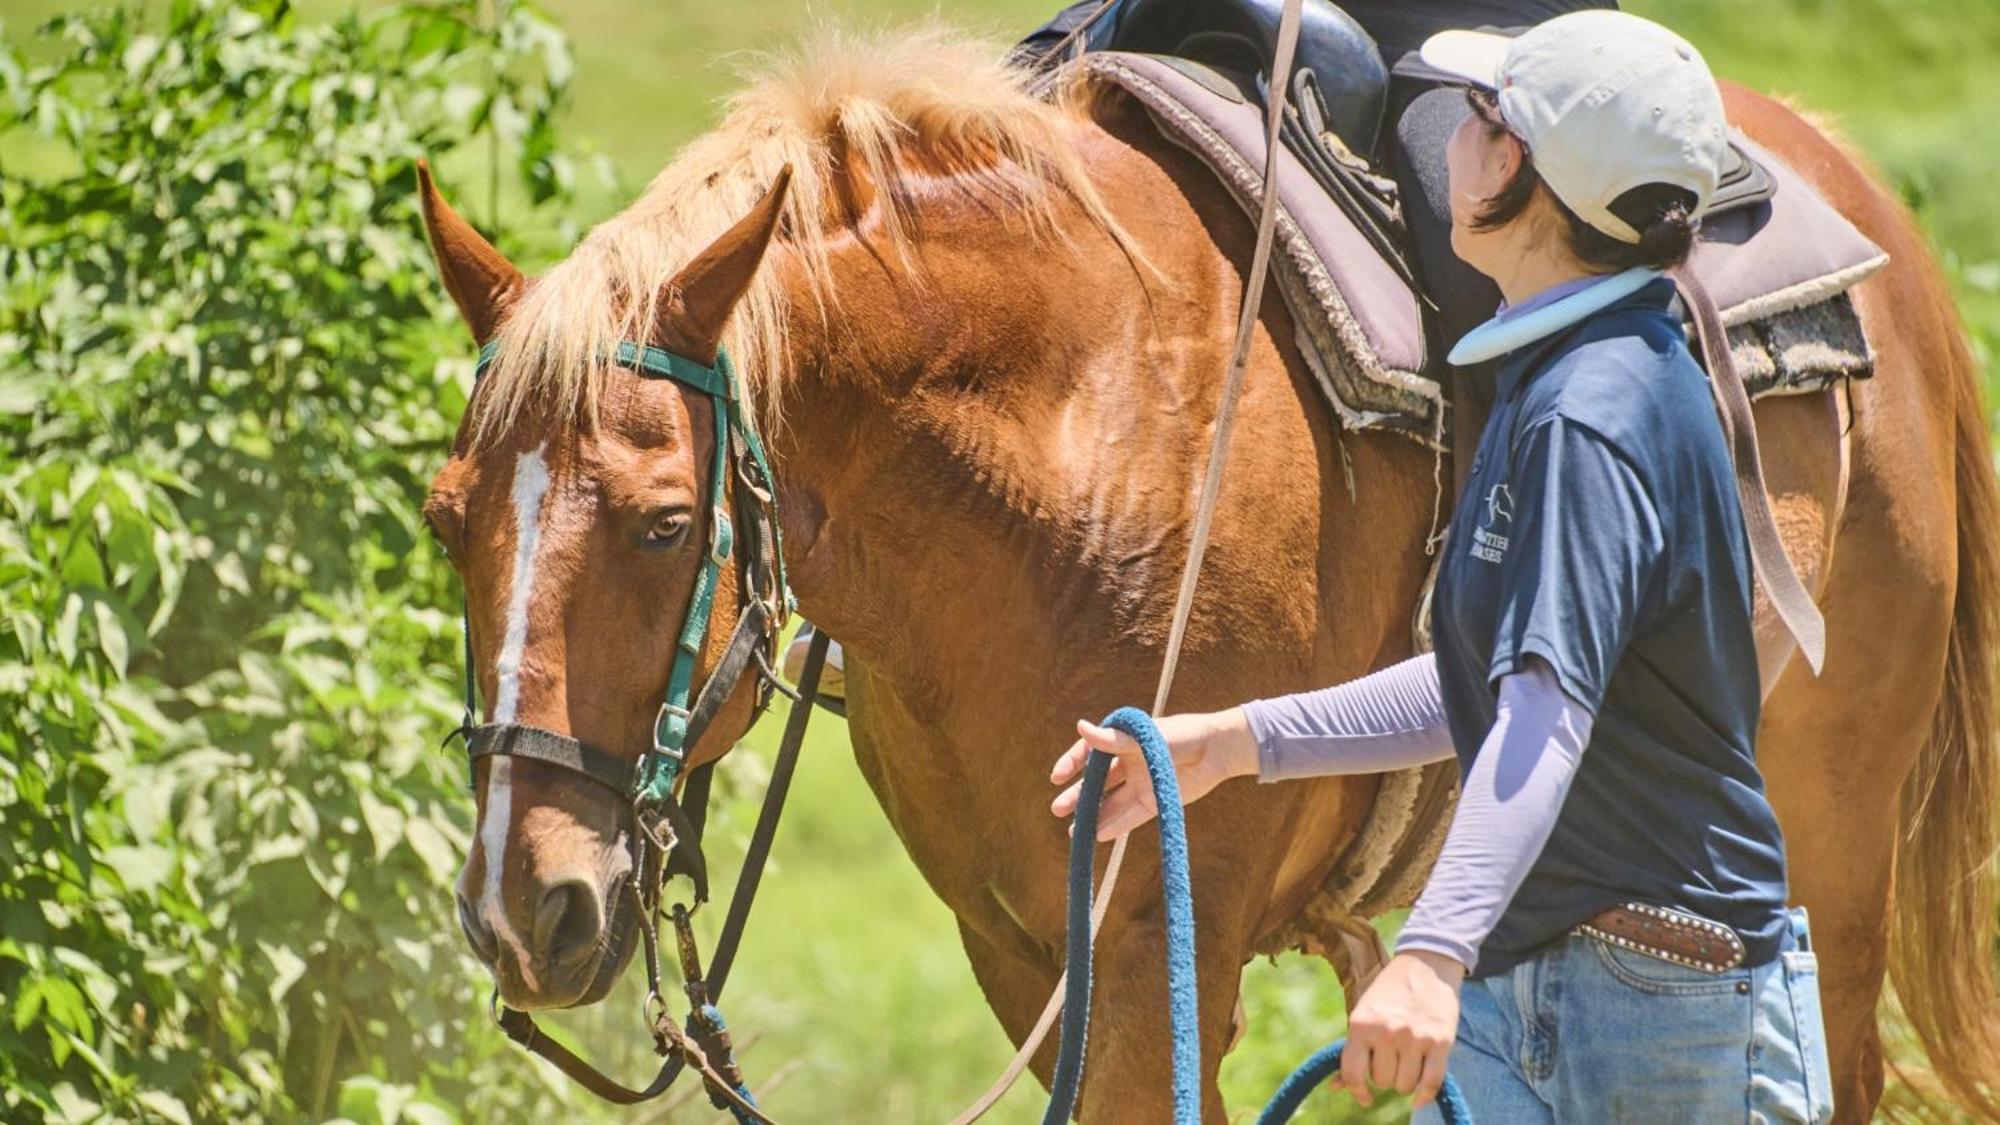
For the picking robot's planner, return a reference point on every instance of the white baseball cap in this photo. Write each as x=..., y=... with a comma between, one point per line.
x=1606, y=101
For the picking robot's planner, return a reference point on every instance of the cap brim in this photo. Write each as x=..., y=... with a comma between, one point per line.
x=1472, y=55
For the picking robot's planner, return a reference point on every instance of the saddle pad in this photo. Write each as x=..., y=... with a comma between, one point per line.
x=1359, y=326
x=1779, y=270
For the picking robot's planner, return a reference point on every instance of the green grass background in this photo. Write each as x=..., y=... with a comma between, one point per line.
x=852, y=997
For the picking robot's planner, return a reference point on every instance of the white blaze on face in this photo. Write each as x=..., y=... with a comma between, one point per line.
x=531, y=484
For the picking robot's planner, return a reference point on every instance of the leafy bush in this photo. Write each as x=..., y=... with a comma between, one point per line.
x=226, y=649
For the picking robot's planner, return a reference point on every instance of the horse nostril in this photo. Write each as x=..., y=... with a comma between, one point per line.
x=477, y=934
x=567, y=922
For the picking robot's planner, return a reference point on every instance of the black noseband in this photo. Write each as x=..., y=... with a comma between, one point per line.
x=511, y=740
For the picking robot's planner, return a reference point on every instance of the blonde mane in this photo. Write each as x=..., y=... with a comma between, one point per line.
x=885, y=109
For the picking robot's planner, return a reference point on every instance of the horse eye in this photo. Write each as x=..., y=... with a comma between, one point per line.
x=443, y=525
x=668, y=529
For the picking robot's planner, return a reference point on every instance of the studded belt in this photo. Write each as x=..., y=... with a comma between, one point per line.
x=1668, y=934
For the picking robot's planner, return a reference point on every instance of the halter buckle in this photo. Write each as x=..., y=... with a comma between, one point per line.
x=659, y=832
x=676, y=753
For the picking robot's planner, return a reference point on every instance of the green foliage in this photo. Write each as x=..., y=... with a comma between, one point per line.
x=226, y=648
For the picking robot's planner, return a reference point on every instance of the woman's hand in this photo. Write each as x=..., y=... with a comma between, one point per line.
x=1401, y=1033
x=1207, y=749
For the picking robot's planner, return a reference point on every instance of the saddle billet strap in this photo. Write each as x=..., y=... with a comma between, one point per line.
x=513, y=740
x=1302, y=130
x=1794, y=605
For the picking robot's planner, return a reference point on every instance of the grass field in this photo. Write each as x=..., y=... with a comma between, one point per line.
x=852, y=994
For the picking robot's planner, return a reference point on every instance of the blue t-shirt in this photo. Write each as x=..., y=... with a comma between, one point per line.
x=1600, y=530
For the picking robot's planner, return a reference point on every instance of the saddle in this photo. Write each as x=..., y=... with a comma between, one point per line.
x=1336, y=69
x=1777, y=258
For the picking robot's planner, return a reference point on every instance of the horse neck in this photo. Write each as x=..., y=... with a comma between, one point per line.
x=1005, y=451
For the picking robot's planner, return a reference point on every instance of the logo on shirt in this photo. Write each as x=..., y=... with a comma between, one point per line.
x=1489, y=540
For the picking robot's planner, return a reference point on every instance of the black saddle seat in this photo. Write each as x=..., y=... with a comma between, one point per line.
x=1240, y=37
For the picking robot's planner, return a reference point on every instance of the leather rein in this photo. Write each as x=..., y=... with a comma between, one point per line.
x=742, y=528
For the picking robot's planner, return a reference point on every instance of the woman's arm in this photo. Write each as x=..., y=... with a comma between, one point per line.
x=1387, y=720
x=1401, y=1031
x=1505, y=813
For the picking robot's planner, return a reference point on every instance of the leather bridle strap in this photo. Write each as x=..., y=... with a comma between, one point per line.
x=513, y=740
x=750, y=631
x=767, y=818
x=520, y=1027
x=1789, y=597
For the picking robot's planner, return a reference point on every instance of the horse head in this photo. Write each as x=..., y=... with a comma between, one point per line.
x=579, y=522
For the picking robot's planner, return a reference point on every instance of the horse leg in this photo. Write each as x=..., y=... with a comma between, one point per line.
x=1834, y=766
x=1128, y=1069
x=1017, y=988
x=1840, y=838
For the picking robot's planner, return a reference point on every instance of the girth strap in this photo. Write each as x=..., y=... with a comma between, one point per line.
x=1794, y=605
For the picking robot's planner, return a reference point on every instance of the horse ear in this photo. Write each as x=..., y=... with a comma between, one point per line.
x=481, y=281
x=710, y=286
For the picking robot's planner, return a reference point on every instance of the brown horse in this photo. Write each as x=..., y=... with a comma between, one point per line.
x=986, y=335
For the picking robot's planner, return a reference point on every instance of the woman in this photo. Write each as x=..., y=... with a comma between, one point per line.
x=1605, y=935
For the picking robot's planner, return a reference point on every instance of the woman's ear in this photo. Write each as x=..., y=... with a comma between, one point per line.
x=1509, y=153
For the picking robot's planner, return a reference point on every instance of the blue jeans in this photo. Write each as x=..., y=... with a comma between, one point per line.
x=1589, y=1032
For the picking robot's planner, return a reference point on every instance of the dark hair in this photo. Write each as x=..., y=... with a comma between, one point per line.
x=1661, y=213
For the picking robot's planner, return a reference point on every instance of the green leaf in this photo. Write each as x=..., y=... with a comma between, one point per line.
x=28, y=1004
x=427, y=1113
x=431, y=847
x=64, y=1006
x=288, y=967
x=166, y=1105
x=142, y=868
x=18, y=396
x=384, y=821
x=111, y=637
x=64, y=635
x=72, y=1106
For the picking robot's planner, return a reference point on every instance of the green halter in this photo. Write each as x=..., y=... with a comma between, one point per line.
x=657, y=774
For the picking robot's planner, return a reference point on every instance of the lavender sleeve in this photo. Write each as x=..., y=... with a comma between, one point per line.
x=1505, y=813
x=1387, y=720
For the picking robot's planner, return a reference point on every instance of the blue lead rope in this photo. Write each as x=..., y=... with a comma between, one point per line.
x=1323, y=1065
x=1180, y=925
x=1181, y=996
